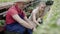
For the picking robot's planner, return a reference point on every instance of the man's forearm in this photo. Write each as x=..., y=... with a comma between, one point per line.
x=25, y=24
x=27, y=20
x=21, y=21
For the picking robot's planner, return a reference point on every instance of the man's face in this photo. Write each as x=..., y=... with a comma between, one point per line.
x=21, y=5
x=42, y=7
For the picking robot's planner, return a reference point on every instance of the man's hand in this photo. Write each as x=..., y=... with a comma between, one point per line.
x=31, y=27
x=33, y=24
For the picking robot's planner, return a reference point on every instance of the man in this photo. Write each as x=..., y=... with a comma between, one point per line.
x=38, y=13
x=16, y=20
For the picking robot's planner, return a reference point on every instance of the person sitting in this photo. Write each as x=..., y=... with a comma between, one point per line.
x=16, y=20
x=38, y=13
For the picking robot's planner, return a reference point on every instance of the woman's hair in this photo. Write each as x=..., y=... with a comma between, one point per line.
x=42, y=3
x=40, y=13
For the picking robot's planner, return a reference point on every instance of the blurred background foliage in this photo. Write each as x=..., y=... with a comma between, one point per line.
x=6, y=0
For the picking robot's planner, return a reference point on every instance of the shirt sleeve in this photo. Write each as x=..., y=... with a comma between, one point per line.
x=23, y=13
x=12, y=11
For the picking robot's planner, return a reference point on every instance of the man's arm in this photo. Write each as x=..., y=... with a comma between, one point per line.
x=21, y=21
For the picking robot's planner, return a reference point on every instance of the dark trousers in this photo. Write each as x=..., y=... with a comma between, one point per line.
x=8, y=32
x=16, y=28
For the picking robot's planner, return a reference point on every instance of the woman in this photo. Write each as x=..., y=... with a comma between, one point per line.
x=38, y=13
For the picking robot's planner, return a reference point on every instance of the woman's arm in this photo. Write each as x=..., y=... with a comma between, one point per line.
x=34, y=19
x=34, y=16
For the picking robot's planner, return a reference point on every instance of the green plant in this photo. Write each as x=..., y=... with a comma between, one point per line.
x=2, y=22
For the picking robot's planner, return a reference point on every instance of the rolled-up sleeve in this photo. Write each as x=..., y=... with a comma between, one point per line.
x=12, y=11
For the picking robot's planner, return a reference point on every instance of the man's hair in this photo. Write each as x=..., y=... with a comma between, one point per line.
x=24, y=1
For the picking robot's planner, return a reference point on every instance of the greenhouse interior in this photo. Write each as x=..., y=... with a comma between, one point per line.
x=29, y=16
